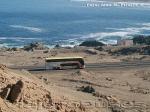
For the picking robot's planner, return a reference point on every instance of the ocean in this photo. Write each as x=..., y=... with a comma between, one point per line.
x=71, y=24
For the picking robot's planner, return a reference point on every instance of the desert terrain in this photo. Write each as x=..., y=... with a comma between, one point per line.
x=110, y=89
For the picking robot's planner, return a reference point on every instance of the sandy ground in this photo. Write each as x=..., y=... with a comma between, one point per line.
x=37, y=57
x=119, y=90
x=129, y=87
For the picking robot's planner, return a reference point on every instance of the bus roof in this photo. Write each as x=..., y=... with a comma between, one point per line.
x=65, y=58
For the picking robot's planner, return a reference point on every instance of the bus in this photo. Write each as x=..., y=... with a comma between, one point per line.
x=61, y=63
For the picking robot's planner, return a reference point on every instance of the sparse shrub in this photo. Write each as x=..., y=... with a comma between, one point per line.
x=87, y=89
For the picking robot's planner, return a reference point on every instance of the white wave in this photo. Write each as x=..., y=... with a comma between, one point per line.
x=32, y=29
x=109, y=41
x=102, y=35
x=69, y=45
x=139, y=29
x=122, y=33
x=4, y=45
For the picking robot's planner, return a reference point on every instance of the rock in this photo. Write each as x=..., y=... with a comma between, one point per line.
x=144, y=50
x=140, y=90
x=57, y=46
x=125, y=51
x=82, y=108
x=87, y=89
x=116, y=108
x=91, y=51
x=108, y=79
x=45, y=51
x=16, y=92
x=5, y=92
x=3, y=49
x=100, y=48
x=77, y=73
x=96, y=94
x=2, y=67
x=24, y=94
x=14, y=49
x=91, y=43
x=12, y=93
x=34, y=46
x=141, y=39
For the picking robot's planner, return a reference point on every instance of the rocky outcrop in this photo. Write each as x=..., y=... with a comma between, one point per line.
x=87, y=89
x=34, y=46
x=9, y=49
x=15, y=89
x=142, y=39
x=22, y=94
x=144, y=50
x=13, y=93
x=92, y=43
x=91, y=51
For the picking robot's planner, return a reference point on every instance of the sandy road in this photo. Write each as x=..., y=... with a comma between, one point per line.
x=108, y=65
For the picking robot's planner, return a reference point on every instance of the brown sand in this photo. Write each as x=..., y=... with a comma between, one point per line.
x=121, y=90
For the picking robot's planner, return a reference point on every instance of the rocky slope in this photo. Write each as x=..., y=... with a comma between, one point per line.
x=18, y=93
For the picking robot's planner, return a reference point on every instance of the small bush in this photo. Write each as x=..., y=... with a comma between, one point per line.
x=87, y=89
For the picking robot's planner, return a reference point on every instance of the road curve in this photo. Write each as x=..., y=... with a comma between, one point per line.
x=106, y=65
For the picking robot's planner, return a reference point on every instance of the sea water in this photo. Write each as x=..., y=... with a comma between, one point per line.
x=68, y=23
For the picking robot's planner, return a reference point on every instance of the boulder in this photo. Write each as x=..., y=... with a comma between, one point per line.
x=91, y=43
x=3, y=49
x=16, y=92
x=87, y=89
x=125, y=51
x=13, y=49
x=144, y=50
x=91, y=51
x=34, y=46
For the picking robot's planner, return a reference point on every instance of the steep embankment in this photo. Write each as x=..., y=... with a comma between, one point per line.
x=19, y=93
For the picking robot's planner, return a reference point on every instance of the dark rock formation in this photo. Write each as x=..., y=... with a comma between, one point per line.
x=91, y=51
x=92, y=43
x=141, y=39
x=13, y=93
x=144, y=50
x=87, y=89
x=34, y=46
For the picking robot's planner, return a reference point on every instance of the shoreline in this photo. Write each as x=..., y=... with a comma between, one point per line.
x=72, y=43
x=112, y=84
x=35, y=54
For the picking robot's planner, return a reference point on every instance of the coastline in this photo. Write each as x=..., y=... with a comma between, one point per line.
x=35, y=53
x=64, y=56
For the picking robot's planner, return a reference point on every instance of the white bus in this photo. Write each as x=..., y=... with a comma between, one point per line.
x=61, y=63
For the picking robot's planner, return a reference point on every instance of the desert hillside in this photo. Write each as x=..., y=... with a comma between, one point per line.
x=22, y=94
x=99, y=89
